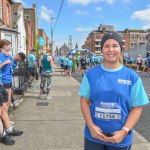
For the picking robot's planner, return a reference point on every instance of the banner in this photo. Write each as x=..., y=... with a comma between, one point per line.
x=41, y=41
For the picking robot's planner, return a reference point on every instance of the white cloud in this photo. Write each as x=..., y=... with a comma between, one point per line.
x=144, y=16
x=46, y=13
x=81, y=29
x=79, y=12
x=23, y=2
x=98, y=8
x=86, y=2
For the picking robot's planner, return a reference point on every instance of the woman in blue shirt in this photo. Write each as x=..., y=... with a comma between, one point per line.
x=112, y=97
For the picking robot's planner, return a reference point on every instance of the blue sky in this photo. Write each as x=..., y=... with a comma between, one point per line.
x=79, y=17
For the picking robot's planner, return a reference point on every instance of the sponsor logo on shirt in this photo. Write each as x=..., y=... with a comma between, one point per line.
x=127, y=82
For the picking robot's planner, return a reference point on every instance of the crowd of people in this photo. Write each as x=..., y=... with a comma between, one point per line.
x=142, y=64
x=84, y=60
x=73, y=63
x=8, y=64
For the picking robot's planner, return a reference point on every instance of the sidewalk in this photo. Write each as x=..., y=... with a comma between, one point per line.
x=57, y=124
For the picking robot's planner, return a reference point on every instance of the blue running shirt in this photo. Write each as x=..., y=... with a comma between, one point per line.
x=6, y=69
x=112, y=93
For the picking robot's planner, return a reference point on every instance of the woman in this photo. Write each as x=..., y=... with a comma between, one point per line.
x=112, y=97
x=46, y=63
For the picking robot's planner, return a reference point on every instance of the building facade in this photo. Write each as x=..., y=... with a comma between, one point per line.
x=6, y=30
x=19, y=24
x=131, y=38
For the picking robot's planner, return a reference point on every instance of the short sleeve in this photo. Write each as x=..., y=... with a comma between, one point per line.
x=85, y=88
x=138, y=95
x=34, y=58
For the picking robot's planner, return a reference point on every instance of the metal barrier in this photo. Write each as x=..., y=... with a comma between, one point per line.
x=20, y=78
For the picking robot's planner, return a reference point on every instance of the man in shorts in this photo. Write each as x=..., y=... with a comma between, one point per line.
x=32, y=64
x=4, y=138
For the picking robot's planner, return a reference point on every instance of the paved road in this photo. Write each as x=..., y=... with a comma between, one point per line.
x=143, y=125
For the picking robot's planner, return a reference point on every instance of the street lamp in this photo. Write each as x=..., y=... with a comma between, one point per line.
x=52, y=35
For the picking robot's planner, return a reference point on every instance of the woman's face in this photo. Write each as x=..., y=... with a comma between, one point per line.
x=111, y=51
x=7, y=48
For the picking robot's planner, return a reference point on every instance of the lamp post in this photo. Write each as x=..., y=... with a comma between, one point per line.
x=52, y=35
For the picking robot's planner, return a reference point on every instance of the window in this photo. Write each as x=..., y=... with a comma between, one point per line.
x=0, y=9
x=132, y=45
x=9, y=38
x=27, y=16
x=132, y=37
x=97, y=37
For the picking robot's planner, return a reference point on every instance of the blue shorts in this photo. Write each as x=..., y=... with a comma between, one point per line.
x=89, y=145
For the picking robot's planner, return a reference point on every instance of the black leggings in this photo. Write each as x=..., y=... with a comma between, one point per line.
x=89, y=145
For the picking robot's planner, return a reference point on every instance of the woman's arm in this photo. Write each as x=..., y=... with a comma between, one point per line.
x=95, y=131
x=133, y=117
x=131, y=121
x=5, y=63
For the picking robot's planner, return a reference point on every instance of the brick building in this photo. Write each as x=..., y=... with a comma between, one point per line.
x=6, y=30
x=30, y=14
x=29, y=36
x=131, y=38
x=42, y=34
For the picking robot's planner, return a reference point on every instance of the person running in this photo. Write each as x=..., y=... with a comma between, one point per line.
x=84, y=64
x=61, y=59
x=112, y=97
x=129, y=61
x=148, y=64
x=32, y=66
x=139, y=63
x=66, y=63
x=70, y=64
x=46, y=63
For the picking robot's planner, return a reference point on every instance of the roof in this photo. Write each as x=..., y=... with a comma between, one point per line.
x=106, y=27
x=4, y=27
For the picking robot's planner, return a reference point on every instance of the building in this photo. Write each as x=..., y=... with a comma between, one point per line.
x=6, y=30
x=29, y=36
x=19, y=24
x=64, y=49
x=93, y=42
x=131, y=38
x=30, y=14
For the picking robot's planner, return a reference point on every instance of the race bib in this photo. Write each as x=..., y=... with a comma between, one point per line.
x=107, y=111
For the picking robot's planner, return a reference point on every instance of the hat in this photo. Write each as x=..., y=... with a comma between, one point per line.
x=111, y=35
x=22, y=55
x=32, y=50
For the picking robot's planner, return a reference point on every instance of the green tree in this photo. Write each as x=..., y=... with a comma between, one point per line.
x=37, y=46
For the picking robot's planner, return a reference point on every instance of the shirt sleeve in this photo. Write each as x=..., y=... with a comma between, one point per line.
x=84, y=88
x=138, y=95
x=34, y=58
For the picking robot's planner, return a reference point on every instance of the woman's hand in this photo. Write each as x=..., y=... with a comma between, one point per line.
x=117, y=137
x=7, y=62
x=96, y=133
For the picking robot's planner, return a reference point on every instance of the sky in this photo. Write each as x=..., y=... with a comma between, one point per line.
x=79, y=17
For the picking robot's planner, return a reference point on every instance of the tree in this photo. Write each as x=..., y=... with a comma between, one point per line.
x=37, y=46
